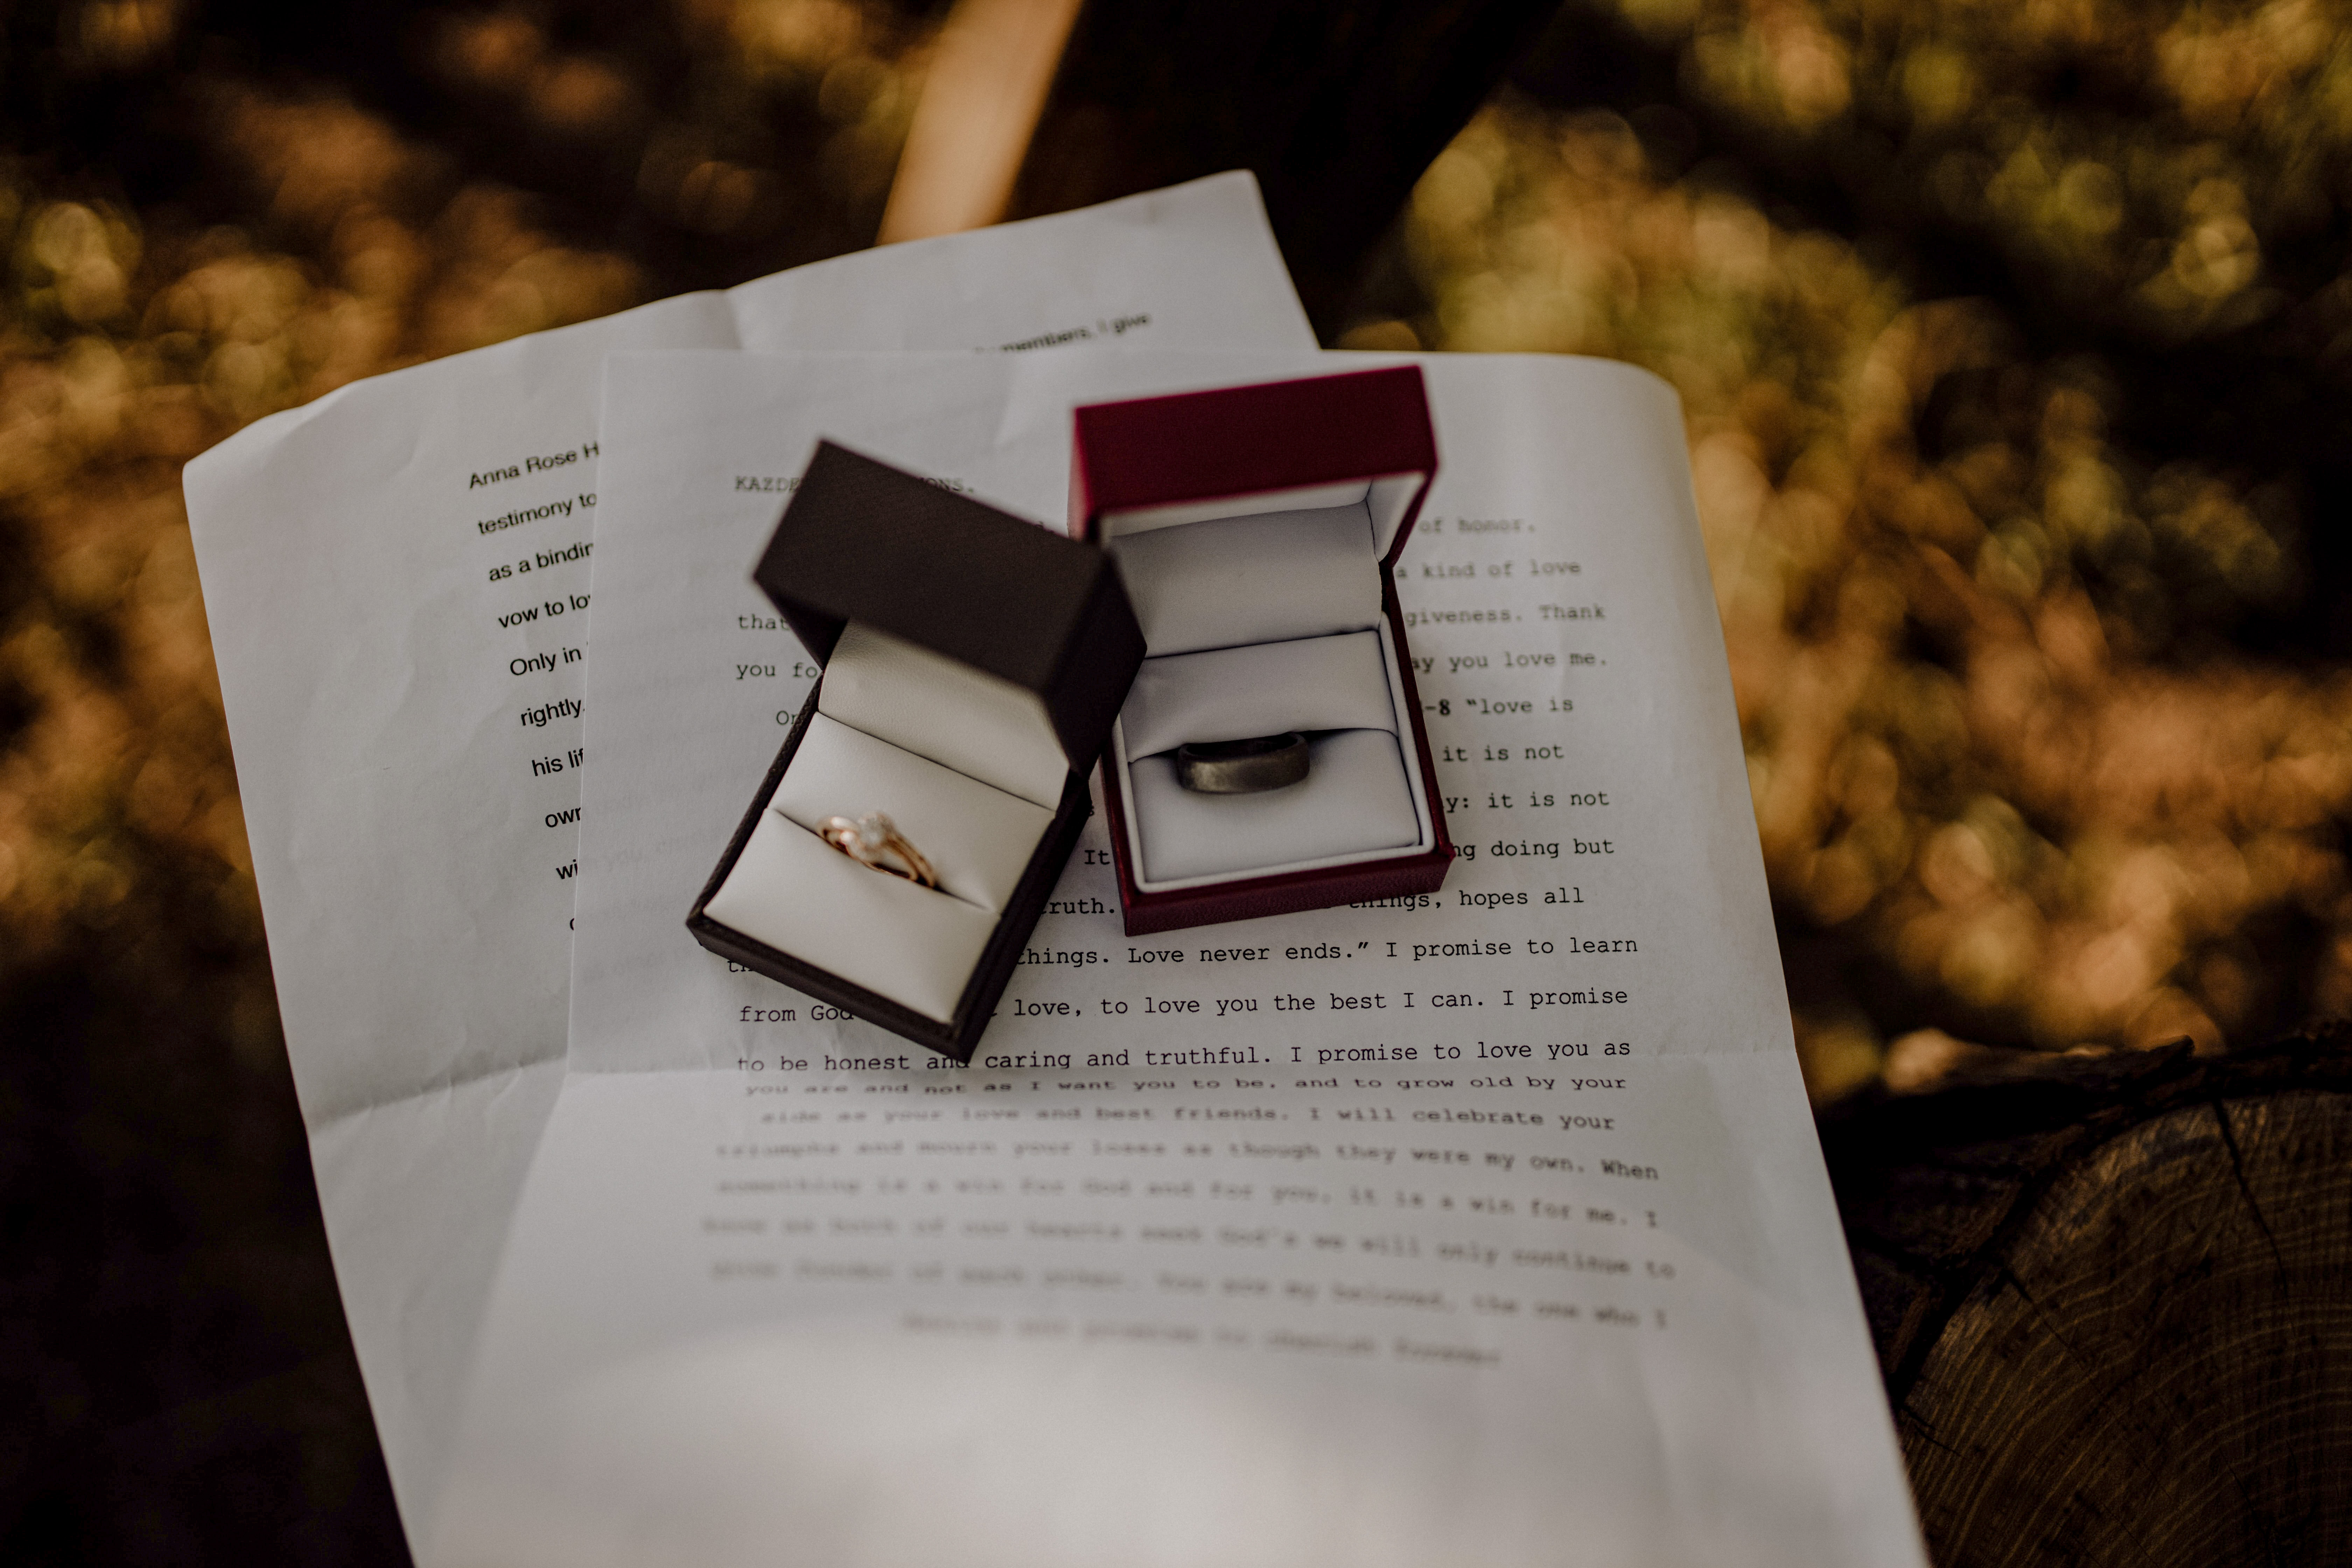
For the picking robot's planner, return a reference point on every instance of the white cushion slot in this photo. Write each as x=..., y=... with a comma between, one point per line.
x=977, y=837
x=931, y=705
x=794, y=892
x=1355, y=799
x=1315, y=683
x=1252, y=579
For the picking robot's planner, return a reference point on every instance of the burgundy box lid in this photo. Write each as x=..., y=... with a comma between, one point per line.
x=861, y=541
x=1245, y=440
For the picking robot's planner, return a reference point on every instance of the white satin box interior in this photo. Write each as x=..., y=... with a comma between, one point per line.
x=972, y=664
x=1267, y=608
x=1237, y=651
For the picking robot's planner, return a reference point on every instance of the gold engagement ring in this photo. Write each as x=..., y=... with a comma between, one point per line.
x=874, y=840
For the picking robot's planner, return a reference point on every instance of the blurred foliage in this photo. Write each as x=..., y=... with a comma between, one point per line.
x=2140, y=162
x=344, y=243
x=2013, y=788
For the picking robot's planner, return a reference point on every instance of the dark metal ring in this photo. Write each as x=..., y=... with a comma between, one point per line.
x=1242, y=767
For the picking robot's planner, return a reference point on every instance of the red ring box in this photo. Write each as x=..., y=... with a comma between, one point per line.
x=1287, y=458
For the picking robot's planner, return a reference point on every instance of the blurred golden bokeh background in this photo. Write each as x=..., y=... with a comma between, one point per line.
x=2022, y=777
x=1999, y=741
x=2015, y=763
x=2014, y=343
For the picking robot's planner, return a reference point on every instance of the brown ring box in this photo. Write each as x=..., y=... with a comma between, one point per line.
x=862, y=541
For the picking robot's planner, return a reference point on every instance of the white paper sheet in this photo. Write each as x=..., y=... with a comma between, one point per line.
x=397, y=580
x=1481, y=1227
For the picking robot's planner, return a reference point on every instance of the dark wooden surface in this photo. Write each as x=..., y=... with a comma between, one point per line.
x=2114, y=1301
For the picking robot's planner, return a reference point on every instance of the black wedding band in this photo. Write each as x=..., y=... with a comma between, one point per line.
x=1242, y=767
